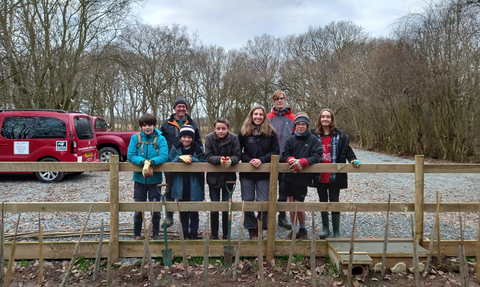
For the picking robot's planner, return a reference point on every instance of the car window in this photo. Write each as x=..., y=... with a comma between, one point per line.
x=100, y=124
x=18, y=128
x=84, y=128
x=48, y=127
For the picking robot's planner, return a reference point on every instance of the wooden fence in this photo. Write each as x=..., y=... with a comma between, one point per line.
x=273, y=247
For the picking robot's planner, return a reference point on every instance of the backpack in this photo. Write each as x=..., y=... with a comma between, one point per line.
x=140, y=143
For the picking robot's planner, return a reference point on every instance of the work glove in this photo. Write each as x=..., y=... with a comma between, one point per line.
x=291, y=161
x=356, y=163
x=299, y=164
x=146, y=170
x=186, y=158
x=226, y=161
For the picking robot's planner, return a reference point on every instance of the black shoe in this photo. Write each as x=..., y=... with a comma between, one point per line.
x=283, y=222
x=169, y=219
x=214, y=236
x=193, y=235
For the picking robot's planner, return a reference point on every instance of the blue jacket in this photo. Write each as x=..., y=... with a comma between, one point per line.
x=136, y=156
x=197, y=179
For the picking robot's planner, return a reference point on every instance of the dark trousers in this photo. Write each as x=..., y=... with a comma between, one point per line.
x=140, y=193
x=190, y=220
x=168, y=189
x=328, y=192
x=282, y=196
x=215, y=195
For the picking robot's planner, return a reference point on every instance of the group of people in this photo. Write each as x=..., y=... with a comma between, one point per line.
x=263, y=134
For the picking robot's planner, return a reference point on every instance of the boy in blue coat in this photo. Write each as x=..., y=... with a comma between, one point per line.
x=188, y=186
x=147, y=148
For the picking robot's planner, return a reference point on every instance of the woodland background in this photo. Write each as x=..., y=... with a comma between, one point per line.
x=414, y=92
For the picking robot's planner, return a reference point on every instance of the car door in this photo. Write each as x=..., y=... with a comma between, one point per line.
x=17, y=138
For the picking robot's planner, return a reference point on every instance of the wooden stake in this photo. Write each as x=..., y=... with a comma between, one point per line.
x=419, y=196
x=352, y=247
x=260, y=249
x=146, y=248
x=432, y=237
x=416, y=273
x=478, y=245
x=240, y=236
x=292, y=246
x=313, y=250
x=385, y=242
x=464, y=277
x=75, y=252
x=206, y=256
x=182, y=238
x=439, y=251
x=98, y=258
x=2, y=245
x=40, y=255
x=11, y=262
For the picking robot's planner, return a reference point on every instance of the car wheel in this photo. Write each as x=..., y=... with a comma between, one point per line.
x=106, y=152
x=50, y=176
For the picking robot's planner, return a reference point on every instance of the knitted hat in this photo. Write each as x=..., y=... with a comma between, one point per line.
x=187, y=130
x=301, y=117
x=180, y=100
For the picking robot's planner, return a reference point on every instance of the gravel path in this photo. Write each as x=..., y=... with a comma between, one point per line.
x=363, y=187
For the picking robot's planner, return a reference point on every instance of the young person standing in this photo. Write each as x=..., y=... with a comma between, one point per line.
x=188, y=186
x=282, y=120
x=336, y=149
x=221, y=148
x=301, y=150
x=147, y=149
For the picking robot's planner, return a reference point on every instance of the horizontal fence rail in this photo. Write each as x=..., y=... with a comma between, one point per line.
x=273, y=247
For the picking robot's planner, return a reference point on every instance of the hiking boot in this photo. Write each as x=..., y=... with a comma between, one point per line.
x=283, y=222
x=302, y=234
x=253, y=233
x=290, y=236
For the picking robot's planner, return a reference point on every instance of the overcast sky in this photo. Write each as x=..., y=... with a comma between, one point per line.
x=231, y=23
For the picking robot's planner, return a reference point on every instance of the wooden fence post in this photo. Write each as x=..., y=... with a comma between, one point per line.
x=114, y=245
x=419, y=197
x=272, y=207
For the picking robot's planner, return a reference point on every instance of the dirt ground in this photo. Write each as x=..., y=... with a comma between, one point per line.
x=128, y=274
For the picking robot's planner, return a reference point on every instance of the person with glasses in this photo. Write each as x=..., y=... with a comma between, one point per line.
x=336, y=149
x=282, y=119
x=301, y=150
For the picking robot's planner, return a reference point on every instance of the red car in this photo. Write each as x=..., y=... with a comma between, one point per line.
x=47, y=135
x=110, y=142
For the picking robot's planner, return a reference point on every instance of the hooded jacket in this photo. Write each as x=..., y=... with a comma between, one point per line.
x=283, y=124
x=136, y=156
x=304, y=146
x=197, y=179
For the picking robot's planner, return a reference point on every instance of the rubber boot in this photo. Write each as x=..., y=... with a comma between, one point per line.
x=155, y=230
x=137, y=229
x=225, y=224
x=214, y=223
x=325, y=230
x=283, y=222
x=336, y=224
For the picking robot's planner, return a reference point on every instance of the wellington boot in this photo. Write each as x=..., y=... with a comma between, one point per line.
x=137, y=230
x=325, y=227
x=336, y=225
x=169, y=219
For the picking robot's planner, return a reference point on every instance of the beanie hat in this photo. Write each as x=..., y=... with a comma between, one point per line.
x=187, y=130
x=301, y=117
x=180, y=100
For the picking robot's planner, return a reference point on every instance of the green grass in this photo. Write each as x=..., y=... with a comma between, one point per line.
x=298, y=258
x=82, y=264
x=25, y=263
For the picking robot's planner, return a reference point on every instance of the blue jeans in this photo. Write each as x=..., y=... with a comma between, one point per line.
x=140, y=193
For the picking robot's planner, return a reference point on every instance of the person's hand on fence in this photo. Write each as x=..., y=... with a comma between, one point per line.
x=147, y=170
x=187, y=158
x=256, y=162
x=356, y=163
x=291, y=161
x=226, y=161
x=299, y=164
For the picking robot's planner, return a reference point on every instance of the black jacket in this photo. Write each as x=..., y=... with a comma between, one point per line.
x=170, y=131
x=215, y=148
x=306, y=146
x=345, y=154
x=261, y=147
